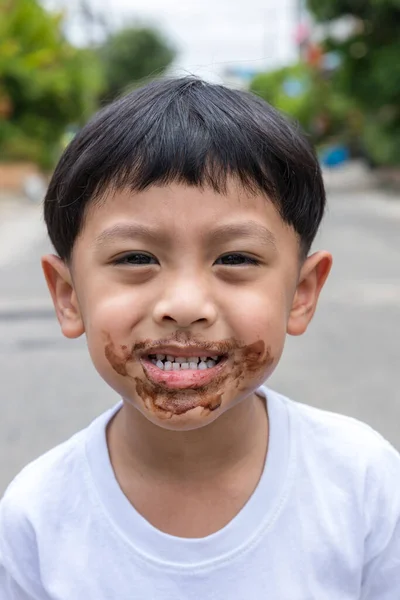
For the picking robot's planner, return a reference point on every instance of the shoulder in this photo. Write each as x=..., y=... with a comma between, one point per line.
x=340, y=435
x=37, y=485
x=33, y=505
x=348, y=475
x=46, y=501
x=341, y=448
x=49, y=486
x=55, y=475
x=347, y=454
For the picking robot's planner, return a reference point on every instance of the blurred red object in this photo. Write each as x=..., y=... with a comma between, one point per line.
x=314, y=55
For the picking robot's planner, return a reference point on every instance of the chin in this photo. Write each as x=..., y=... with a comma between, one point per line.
x=182, y=410
x=194, y=418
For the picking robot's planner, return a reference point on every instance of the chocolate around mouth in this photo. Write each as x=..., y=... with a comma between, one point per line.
x=167, y=403
x=157, y=398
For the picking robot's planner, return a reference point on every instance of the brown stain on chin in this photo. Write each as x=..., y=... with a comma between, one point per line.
x=118, y=361
x=174, y=402
x=248, y=359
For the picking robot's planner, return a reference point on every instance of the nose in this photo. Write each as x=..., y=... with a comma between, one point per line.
x=185, y=302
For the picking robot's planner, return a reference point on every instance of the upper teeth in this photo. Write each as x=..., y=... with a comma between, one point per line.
x=176, y=363
x=182, y=359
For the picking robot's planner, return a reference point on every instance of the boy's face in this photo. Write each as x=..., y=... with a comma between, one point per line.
x=177, y=272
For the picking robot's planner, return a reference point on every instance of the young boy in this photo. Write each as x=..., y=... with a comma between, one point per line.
x=182, y=216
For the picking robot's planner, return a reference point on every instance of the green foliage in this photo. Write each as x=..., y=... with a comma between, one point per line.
x=131, y=55
x=382, y=143
x=46, y=82
x=271, y=87
x=327, y=10
x=370, y=71
x=47, y=85
x=304, y=95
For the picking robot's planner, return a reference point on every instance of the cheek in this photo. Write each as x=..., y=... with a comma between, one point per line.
x=113, y=311
x=115, y=308
x=260, y=314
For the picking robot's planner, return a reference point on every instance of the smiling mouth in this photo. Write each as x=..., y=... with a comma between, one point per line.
x=183, y=372
x=167, y=362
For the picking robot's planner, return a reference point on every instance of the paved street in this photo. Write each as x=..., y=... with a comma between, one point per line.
x=348, y=362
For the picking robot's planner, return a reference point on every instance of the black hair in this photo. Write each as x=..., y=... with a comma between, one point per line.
x=193, y=132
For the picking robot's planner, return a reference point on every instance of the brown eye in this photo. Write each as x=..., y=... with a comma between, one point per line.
x=235, y=259
x=136, y=259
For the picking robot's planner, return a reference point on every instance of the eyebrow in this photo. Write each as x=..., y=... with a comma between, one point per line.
x=247, y=229
x=128, y=231
x=222, y=234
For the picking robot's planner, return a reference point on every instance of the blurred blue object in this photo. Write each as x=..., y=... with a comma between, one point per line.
x=294, y=86
x=334, y=156
x=332, y=60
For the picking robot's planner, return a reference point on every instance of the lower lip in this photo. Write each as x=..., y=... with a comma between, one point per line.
x=179, y=380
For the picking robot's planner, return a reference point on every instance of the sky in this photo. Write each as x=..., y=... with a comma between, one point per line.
x=211, y=35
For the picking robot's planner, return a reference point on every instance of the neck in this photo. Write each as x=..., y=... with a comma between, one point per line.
x=139, y=445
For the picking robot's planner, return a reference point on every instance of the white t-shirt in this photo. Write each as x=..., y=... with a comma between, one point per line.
x=323, y=523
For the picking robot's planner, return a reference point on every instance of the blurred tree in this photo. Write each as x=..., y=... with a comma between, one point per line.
x=45, y=83
x=130, y=55
x=370, y=69
x=302, y=93
x=289, y=89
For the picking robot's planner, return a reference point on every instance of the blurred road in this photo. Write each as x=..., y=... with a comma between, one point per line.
x=347, y=362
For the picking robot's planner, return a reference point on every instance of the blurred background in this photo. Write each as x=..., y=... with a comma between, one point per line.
x=333, y=65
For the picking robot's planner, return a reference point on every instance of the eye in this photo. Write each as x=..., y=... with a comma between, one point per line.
x=136, y=259
x=236, y=259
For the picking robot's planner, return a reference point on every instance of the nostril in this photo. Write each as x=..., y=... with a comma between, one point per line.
x=168, y=318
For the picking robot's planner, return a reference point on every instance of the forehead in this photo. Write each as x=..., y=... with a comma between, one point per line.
x=181, y=212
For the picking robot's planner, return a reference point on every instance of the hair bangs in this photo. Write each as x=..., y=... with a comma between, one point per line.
x=187, y=147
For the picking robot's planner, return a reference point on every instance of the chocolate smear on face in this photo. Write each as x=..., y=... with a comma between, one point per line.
x=254, y=358
x=175, y=402
x=118, y=361
x=248, y=360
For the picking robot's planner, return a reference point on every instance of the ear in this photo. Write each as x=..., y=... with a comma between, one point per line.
x=313, y=275
x=59, y=282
